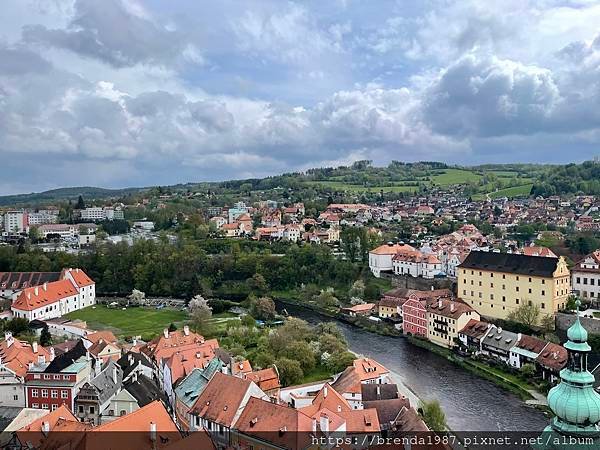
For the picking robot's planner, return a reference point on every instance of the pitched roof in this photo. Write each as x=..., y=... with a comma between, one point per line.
x=387, y=410
x=371, y=392
x=266, y=379
x=17, y=356
x=47, y=294
x=131, y=360
x=327, y=398
x=405, y=293
x=368, y=368
x=80, y=277
x=348, y=382
x=448, y=308
x=21, y=280
x=190, y=387
x=538, y=266
x=144, y=390
x=63, y=361
x=531, y=343
x=280, y=425
x=361, y=420
x=182, y=362
x=221, y=399
x=408, y=421
x=104, y=335
x=500, y=339
x=32, y=433
x=392, y=249
x=475, y=328
x=553, y=357
x=196, y=439
x=164, y=346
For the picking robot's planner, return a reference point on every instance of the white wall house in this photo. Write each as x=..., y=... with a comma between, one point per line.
x=380, y=258
x=586, y=277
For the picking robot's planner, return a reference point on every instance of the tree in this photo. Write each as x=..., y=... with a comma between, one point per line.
x=80, y=203
x=432, y=414
x=17, y=326
x=301, y=351
x=528, y=370
x=136, y=298
x=172, y=327
x=527, y=313
x=263, y=308
x=257, y=283
x=201, y=313
x=327, y=299
x=547, y=323
x=357, y=290
x=290, y=371
x=45, y=337
x=34, y=234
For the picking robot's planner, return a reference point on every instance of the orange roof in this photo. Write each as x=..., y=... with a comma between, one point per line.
x=361, y=420
x=32, y=433
x=327, y=398
x=241, y=367
x=283, y=426
x=80, y=277
x=536, y=250
x=368, y=369
x=46, y=294
x=105, y=335
x=393, y=249
x=162, y=347
x=17, y=356
x=140, y=422
x=266, y=379
x=361, y=308
x=196, y=439
x=183, y=362
x=221, y=399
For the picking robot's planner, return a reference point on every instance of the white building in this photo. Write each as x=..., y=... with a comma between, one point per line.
x=97, y=213
x=380, y=259
x=41, y=218
x=586, y=277
x=417, y=265
x=16, y=222
x=75, y=290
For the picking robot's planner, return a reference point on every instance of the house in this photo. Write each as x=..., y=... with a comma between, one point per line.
x=417, y=264
x=134, y=362
x=498, y=343
x=372, y=392
x=75, y=290
x=301, y=395
x=50, y=384
x=472, y=334
x=267, y=380
x=142, y=390
x=586, y=278
x=536, y=250
x=93, y=399
x=220, y=404
x=364, y=309
x=149, y=428
x=414, y=316
x=189, y=388
x=526, y=351
x=267, y=425
x=15, y=358
x=498, y=283
x=380, y=258
x=389, y=307
x=445, y=318
x=362, y=371
x=552, y=359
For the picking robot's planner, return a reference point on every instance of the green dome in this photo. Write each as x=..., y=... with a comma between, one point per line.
x=575, y=405
x=577, y=333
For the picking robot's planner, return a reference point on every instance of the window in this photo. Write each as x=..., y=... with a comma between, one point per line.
x=491, y=296
x=45, y=393
x=491, y=285
x=64, y=394
x=54, y=407
x=54, y=393
x=530, y=279
x=15, y=397
x=123, y=412
x=35, y=405
x=34, y=392
x=80, y=409
x=92, y=410
x=517, y=301
x=46, y=377
x=579, y=279
x=45, y=406
x=543, y=305
x=517, y=288
x=57, y=377
x=543, y=292
x=530, y=290
x=503, y=298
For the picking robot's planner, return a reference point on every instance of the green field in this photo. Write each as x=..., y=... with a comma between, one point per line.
x=515, y=191
x=146, y=322
x=455, y=176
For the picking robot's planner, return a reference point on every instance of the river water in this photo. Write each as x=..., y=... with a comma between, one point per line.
x=470, y=403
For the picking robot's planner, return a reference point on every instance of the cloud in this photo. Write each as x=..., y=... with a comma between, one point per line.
x=120, y=34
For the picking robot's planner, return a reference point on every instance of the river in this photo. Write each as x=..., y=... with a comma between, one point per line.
x=470, y=403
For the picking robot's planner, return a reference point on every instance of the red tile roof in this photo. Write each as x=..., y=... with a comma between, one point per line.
x=553, y=357
x=266, y=379
x=17, y=356
x=327, y=398
x=393, y=249
x=80, y=277
x=47, y=294
x=33, y=434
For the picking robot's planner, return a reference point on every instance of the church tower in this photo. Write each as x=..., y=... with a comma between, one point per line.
x=574, y=401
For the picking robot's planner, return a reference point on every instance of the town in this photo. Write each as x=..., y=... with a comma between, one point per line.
x=485, y=283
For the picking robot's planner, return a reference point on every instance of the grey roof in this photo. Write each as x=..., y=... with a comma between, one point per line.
x=21, y=280
x=537, y=266
x=503, y=340
x=144, y=390
x=105, y=383
x=189, y=388
x=130, y=361
x=370, y=392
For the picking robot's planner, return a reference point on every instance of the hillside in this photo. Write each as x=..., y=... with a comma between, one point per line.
x=64, y=194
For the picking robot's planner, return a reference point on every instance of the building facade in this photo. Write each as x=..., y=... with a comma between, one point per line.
x=445, y=318
x=495, y=284
x=586, y=278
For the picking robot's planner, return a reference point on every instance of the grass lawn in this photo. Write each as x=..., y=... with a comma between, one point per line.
x=146, y=322
x=515, y=191
x=455, y=176
x=343, y=186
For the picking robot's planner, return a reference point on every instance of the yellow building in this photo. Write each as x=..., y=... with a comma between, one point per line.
x=445, y=318
x=495, y=284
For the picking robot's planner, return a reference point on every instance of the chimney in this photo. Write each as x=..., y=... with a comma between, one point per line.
x=166, y=333
x=45, y=286
x=440, y=303
x=324, y=422
x=378, y=391
x=314, y=425
x=519, y=336
x=152, y=431
x=52, y=354
x=30, y=366
x=130, y=359
x=134, y=342
x=186, y=330
x=339, y=408
x=432, y=288
x=36, y=290
x=8, y=337
x=325, y=392
x=499, y=330
x=134, y=375
x=114, y=375
x=451, y=307
x=34, y=347
x=45, y=427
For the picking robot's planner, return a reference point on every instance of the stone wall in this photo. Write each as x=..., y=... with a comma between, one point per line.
x=421, y=284
x=564, y=321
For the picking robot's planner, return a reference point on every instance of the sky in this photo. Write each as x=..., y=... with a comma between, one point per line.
x=119, y=93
